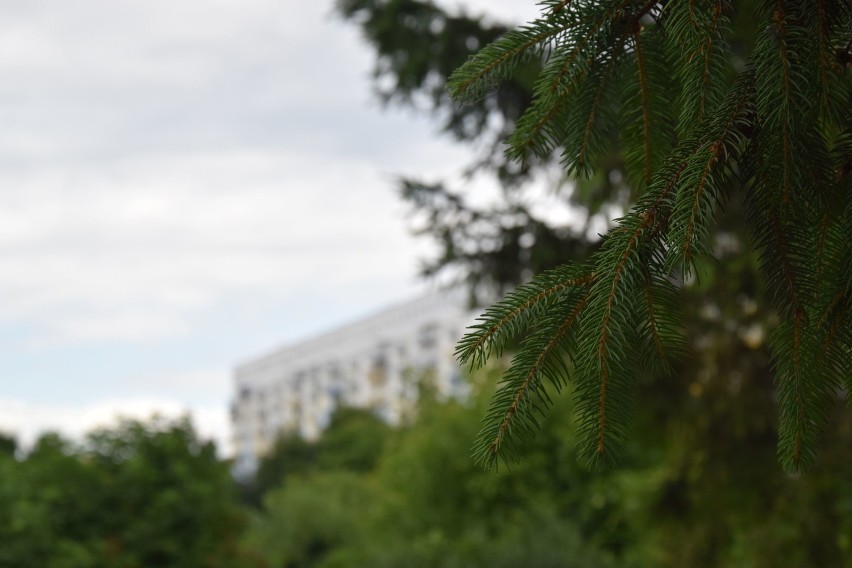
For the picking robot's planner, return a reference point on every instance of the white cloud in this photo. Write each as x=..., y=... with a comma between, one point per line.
x=155, y=241
x=125, y=325
x=169, y=163
x=154, y=168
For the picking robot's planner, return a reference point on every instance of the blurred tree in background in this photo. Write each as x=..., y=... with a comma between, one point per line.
x=424, y=503
x=138, y=495
x=673, y=502
x=418, y=45
x=353, y=441
x=8, y=444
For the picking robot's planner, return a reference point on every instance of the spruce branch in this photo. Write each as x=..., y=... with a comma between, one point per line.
x=516, y=312
x=805, y=389
x=642, y=73
x=522, y=396
x=598, y=34
x=608, y=343
x=696, y=33
x=701, y=188
x=694, y=125
x=497, y=60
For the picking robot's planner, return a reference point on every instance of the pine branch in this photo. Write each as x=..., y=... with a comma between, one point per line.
x=696, y=31
x=497, y=60
x=828, y=21
x=660, y=333
x=804, y=398
x=701, y=189
x=607, y=338
x=586, y=134
x=782, y=135
x=646, y=125
x=646, y=103
x=516, y=312
x=522, y=397
x=598, y=34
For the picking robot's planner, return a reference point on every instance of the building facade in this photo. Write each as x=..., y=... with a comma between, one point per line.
x=372, y=363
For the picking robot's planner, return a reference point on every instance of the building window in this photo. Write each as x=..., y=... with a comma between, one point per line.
x=427, y=336
x=378, y=371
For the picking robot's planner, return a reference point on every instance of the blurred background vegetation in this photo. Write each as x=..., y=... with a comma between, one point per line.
x=700, y=485
x=140, y=494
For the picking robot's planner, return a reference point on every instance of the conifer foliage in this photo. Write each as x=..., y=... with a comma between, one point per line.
x=694, y=125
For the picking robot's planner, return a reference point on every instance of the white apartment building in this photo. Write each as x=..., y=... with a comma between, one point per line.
x=371, y=363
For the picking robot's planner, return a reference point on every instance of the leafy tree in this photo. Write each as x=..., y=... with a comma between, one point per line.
x=290, y=455
x=310, y=519
x=353, y=441
x=696, y=127
x=8, y=444
x=672, y=503
x=49, y=507
x=139, y=494
x=449, y=512
x=171, y=500
x=425, y=503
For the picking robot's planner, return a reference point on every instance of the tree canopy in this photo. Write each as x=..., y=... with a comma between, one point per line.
x=424, y=503
x=697, y=128
x=138, y=494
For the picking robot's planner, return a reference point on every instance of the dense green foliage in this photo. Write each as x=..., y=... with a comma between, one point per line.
x=695, y=126
x=152, y=495
x=137, y=495
x=353, y=442
x=424, y=503
x=709, y=492
x=672, y=110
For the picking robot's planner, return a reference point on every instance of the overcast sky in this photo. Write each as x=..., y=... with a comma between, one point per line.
x=185, y=184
